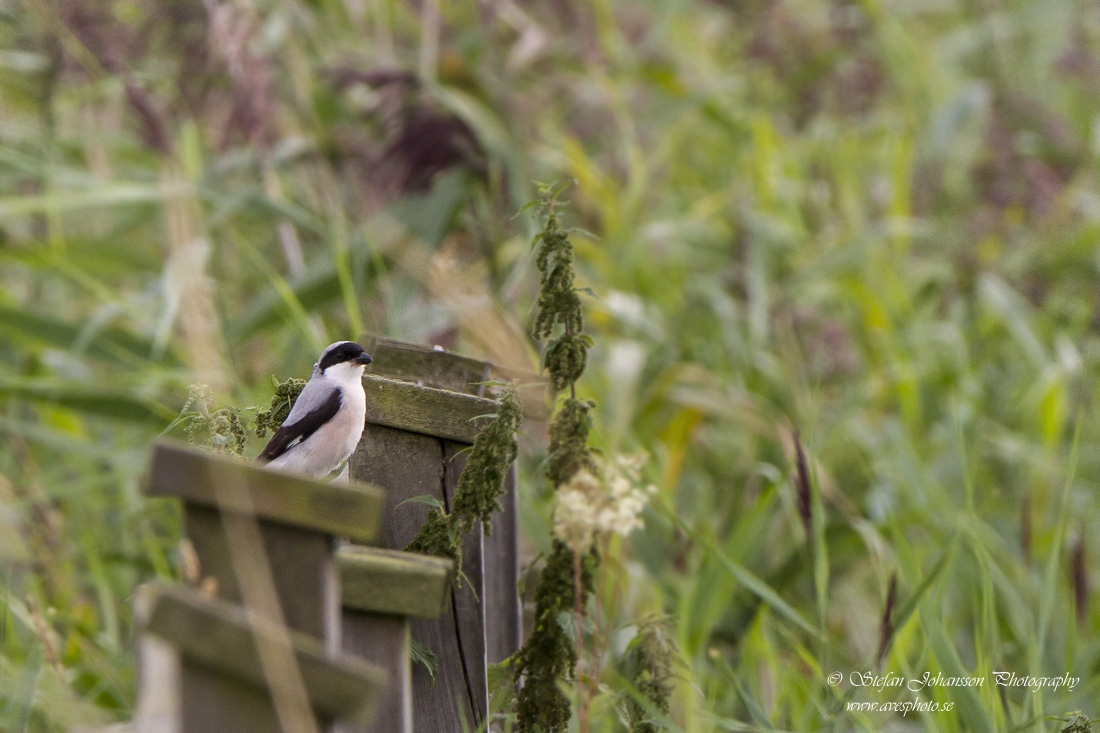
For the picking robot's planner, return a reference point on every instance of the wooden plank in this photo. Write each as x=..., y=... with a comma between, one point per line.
x=200, y=477
x=505, y=633
x=407, y=464
x=431, y=367
x=222, y=638
x=158, y=686
x=303, y=570
x=384, y=640
x=466, y=603
x=435, y=412
x=393, y=582
x=216, y=701
x=158, y=673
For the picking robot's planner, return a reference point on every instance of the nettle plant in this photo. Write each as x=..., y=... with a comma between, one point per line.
x=594, y=498
x=480, y=485
x=225, y=429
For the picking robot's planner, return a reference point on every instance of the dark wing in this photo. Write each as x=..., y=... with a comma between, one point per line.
x=291, y=435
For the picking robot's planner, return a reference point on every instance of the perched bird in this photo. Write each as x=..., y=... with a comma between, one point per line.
x=326, y=423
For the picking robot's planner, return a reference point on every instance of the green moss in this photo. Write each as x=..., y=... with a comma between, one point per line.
x=439, y=412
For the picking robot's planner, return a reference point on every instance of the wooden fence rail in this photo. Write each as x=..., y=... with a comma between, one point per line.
x=382, y=590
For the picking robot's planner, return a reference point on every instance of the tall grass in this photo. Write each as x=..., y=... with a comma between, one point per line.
x=874, y=222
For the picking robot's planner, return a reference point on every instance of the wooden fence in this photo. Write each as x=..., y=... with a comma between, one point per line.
x=304, y=607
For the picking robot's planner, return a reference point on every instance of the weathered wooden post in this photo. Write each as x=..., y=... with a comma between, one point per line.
x=418, y=423
x=267, y=541
x=381, y=590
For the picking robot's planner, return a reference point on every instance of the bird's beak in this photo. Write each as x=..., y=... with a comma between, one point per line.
x=364, y=359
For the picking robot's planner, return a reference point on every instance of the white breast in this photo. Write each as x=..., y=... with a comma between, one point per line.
x=333, y=443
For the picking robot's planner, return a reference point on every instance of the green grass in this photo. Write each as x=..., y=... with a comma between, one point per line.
x=875, y=223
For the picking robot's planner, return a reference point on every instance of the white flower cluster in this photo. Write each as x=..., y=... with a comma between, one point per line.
x=587, y=506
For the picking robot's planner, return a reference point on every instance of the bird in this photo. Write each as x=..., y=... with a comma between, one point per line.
x=326, y=422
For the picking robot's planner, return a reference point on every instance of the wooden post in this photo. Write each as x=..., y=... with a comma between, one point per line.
x=417, y=427
x=267, y=541
x=232, y=667
x=297, y=520
x=439, y=369
x=381, y=590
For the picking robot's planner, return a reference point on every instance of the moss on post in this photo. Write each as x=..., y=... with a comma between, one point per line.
x=437, y=412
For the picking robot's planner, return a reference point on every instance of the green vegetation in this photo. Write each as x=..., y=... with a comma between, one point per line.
x=559, y=304
x=269, y=419
x=650, y=652
x=1075, y=722
x=219, y=428
x=548, y=659
x=480, y=485
x=223, y=429
x=874, y=223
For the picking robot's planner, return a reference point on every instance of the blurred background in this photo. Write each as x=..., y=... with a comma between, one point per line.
x=873, y=222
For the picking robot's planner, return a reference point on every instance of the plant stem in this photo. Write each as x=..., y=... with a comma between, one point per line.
x=578, y=607
x=600, y=637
